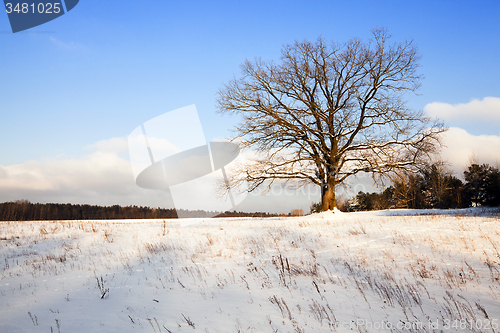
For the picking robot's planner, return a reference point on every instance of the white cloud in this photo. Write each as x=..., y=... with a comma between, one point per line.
x=117, y=145
x=101, y=177
x=99, y=171
x=487, y=109
x=460, y=146
x=104, y=177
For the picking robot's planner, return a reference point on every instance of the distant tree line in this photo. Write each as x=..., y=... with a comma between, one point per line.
x=23, y=210
x=431, y=187
x=434, y=187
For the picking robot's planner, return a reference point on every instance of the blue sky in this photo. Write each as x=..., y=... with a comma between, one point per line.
x=70, y=86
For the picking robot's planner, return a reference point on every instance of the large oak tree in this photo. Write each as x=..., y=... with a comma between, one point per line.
x=327, y=112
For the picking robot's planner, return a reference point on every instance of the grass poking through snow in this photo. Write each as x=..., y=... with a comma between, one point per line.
x=327, y=272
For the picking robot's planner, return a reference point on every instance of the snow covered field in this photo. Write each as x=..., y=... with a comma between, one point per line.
x=378, y=271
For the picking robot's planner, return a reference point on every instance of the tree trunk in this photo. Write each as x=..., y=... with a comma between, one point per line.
x=328, y=196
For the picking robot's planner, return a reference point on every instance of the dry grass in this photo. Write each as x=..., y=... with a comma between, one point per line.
x=292, y=275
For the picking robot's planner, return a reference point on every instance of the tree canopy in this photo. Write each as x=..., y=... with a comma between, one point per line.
x=328, y=111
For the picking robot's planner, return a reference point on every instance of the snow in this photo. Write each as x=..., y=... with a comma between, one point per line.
x=387, y=271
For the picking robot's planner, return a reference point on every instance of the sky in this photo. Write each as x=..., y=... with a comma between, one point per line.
x=73, y=89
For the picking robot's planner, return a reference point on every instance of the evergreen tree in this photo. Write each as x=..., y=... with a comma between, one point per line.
x=482, y=185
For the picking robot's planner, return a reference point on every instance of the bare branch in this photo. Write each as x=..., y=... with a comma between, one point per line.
x=328, y=112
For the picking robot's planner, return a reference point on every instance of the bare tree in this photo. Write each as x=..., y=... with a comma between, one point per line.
x=329, y=111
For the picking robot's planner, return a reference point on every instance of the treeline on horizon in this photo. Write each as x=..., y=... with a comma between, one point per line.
x=23, y=210
x=433, y=187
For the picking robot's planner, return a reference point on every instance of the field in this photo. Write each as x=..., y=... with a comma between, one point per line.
x=387, y=271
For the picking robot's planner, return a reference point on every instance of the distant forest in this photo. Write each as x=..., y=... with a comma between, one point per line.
x=432, y=187
x=23, y=210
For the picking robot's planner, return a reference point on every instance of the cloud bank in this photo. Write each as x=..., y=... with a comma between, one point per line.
x=460, y=147
x=104, y=177
x=487, y=109
x=101, y=177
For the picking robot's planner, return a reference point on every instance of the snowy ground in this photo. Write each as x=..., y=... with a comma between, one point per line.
x=383, y=271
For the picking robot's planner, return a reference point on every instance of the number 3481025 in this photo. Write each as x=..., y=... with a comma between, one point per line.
x=40, y=8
